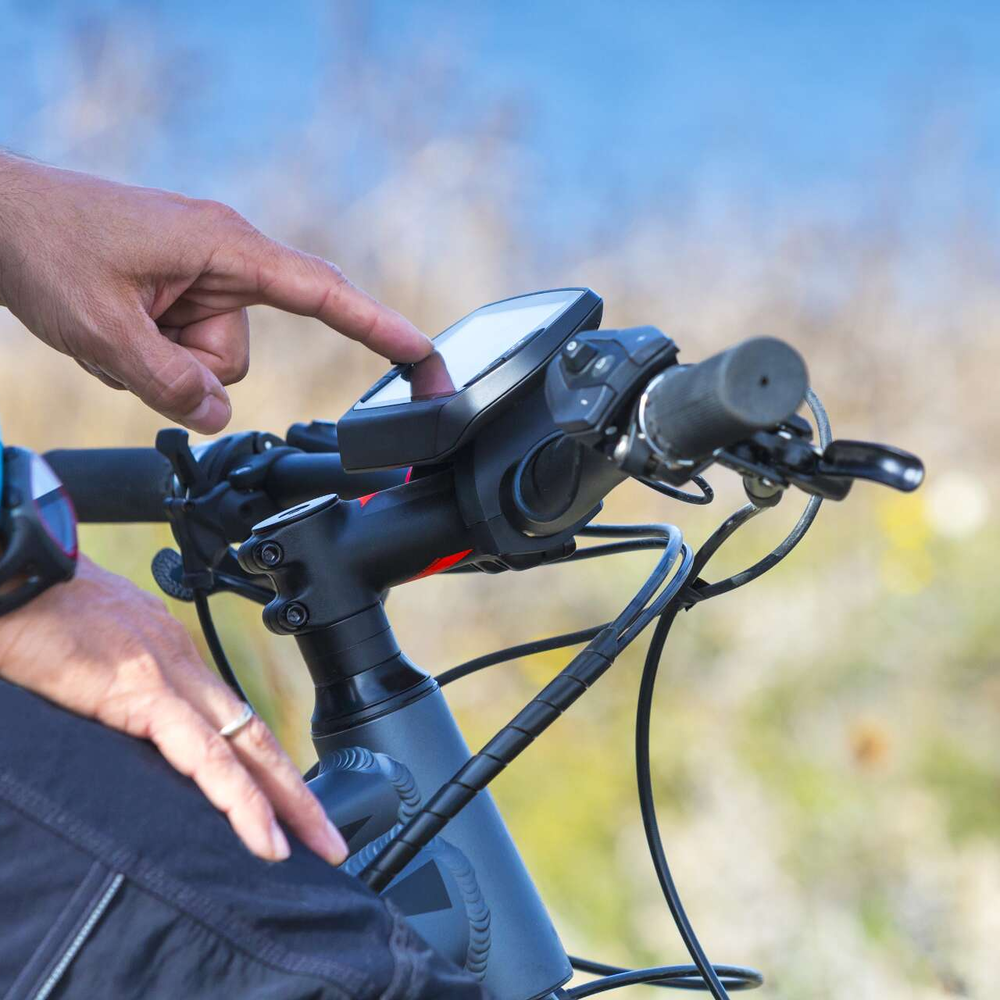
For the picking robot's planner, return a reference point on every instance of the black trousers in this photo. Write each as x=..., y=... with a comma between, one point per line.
x=119, y=879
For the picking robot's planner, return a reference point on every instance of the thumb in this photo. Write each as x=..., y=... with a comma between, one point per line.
x=167, y=377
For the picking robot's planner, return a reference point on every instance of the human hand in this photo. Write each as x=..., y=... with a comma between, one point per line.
x=148, y=290
x=103, y=648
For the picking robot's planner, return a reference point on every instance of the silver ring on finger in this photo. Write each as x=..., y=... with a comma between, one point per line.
x=232, y=728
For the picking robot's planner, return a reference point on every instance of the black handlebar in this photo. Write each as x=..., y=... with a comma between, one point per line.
x=298, y=477
x=691, y=410
x=129, y=485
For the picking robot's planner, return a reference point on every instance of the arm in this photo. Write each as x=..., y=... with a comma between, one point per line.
x=104, y=649
x=148, y=291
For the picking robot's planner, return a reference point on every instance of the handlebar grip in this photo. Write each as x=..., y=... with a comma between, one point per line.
x=114, y=485
x=692, y=410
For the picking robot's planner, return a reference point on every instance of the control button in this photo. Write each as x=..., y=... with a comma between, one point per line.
x=383, y=381
x=644, y=343
x=576, y=355
x=583, y=409
x=494, y=364
x=603, y=365
x=510, y=352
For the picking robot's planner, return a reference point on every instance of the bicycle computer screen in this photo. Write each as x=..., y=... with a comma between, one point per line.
x=471, y=346
x=480, y=366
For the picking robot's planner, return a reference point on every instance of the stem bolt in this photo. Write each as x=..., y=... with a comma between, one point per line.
x=269, y=553
x=295, y=615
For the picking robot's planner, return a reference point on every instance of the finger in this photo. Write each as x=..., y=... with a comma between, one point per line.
x=310, y=286
x=196, y=750
x=221, y=343
x=260, y=753
x=165, y=376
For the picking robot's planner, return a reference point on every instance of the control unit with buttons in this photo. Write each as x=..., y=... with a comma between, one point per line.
x=596, y=375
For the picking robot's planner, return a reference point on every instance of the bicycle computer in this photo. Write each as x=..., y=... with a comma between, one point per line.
x=421, y=413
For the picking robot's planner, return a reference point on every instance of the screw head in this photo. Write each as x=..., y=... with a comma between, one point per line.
x=270, y=553
x=295, y=615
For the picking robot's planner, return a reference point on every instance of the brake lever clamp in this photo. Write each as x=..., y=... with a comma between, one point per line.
x=634, y=454
x=217, y=498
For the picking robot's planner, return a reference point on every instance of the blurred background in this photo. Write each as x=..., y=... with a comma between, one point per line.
x=826, y=741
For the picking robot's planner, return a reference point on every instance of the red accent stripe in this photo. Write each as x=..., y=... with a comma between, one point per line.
x=409, y=472
x=442, y=563
x=363, y=500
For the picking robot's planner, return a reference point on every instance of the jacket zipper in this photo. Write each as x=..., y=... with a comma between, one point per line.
x=74, y=946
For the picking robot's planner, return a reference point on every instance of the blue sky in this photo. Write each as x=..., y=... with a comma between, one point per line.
x=773, y=100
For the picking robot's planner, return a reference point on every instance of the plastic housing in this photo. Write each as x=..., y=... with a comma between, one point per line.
x=428, y=431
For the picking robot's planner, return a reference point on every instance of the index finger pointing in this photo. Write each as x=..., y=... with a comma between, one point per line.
x=310, y=286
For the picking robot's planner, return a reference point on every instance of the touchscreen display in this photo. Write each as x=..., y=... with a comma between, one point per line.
x=464, y=350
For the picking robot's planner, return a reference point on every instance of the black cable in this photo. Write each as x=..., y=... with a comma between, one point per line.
x=609, y=549
x=677, y=977
x=674, y=547
x=706, y=496
x=715, y=979
x=702, y=975
x=593, y=968
x=804, y=523
x=244, y=588
x=591, y=552
x=759, y=568
x=723, y=532
x=649, y=536
x=647, y=807
x=545, y=708
x=639, y=536
x=821, y=417
x=662, y=601
x=509, y=742
x=610, y=530
x=517, y=652
x=215, y=645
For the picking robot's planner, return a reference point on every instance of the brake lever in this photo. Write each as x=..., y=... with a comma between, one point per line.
x=172, y=443
x=878, y=463
x=218, y=503
x=787, y=457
